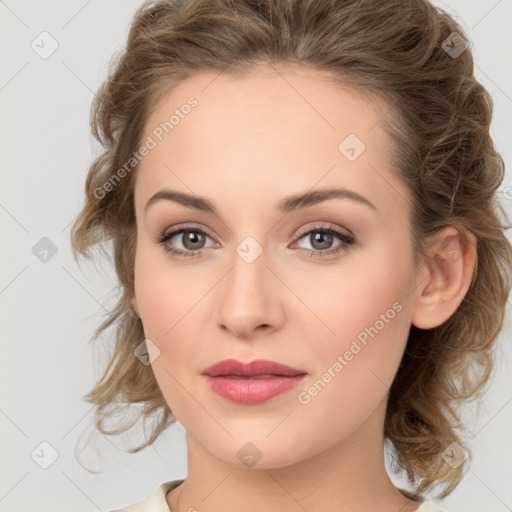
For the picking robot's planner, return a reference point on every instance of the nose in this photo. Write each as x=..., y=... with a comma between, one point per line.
x=250, y=298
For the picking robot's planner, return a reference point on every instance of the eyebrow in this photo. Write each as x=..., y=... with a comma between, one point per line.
x=286, y=205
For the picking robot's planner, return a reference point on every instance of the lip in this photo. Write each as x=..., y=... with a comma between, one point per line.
x=252, y=383
x=251, y=369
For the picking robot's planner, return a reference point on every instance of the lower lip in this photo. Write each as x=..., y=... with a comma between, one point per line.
x=252, y=391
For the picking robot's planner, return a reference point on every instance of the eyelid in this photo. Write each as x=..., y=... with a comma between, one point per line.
x=319, y=225
x=183, y=226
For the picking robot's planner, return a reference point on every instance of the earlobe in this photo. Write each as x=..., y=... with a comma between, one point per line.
x=450, y=272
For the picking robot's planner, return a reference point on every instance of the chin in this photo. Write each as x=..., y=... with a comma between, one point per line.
x=260, y=453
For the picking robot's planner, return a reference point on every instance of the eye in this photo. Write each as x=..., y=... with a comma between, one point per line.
x=192, y=241
x=321, y=239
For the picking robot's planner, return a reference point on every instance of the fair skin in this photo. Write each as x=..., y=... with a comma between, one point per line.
x=250, y=142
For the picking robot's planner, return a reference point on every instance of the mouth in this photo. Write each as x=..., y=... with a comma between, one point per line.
x=252, y=383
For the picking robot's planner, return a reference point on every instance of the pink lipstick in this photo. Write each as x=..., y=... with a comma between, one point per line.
x=251, y=383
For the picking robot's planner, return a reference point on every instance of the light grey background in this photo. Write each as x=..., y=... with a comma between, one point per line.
x=50, y=309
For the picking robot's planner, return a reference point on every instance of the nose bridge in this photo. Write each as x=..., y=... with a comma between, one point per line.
x=248, y=299
x=249, y=270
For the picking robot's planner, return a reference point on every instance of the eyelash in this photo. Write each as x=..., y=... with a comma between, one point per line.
x=347, y=241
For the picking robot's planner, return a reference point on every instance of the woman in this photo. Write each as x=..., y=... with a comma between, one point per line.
x=301, y=200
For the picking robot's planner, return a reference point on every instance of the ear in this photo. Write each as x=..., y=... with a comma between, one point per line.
x=448, y=278
x=134, y=307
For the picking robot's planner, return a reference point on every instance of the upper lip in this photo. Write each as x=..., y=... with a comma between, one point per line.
x=252, y=368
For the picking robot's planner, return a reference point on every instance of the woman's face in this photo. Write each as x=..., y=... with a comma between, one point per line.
x=257, y=281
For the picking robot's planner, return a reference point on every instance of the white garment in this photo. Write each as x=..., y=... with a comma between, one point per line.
x=157, y=502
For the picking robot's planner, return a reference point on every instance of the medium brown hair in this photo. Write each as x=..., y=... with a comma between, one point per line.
x=438, y=120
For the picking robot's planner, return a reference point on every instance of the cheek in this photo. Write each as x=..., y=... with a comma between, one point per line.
x=164, y=292
x=169, y=302
x=363, y=316
x=355, y=297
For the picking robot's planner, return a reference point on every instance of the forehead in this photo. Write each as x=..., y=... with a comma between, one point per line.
x=264, y=128
x=297, y=91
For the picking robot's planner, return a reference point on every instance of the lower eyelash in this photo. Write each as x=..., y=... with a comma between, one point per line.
x=191, y=254
x=345, y=239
